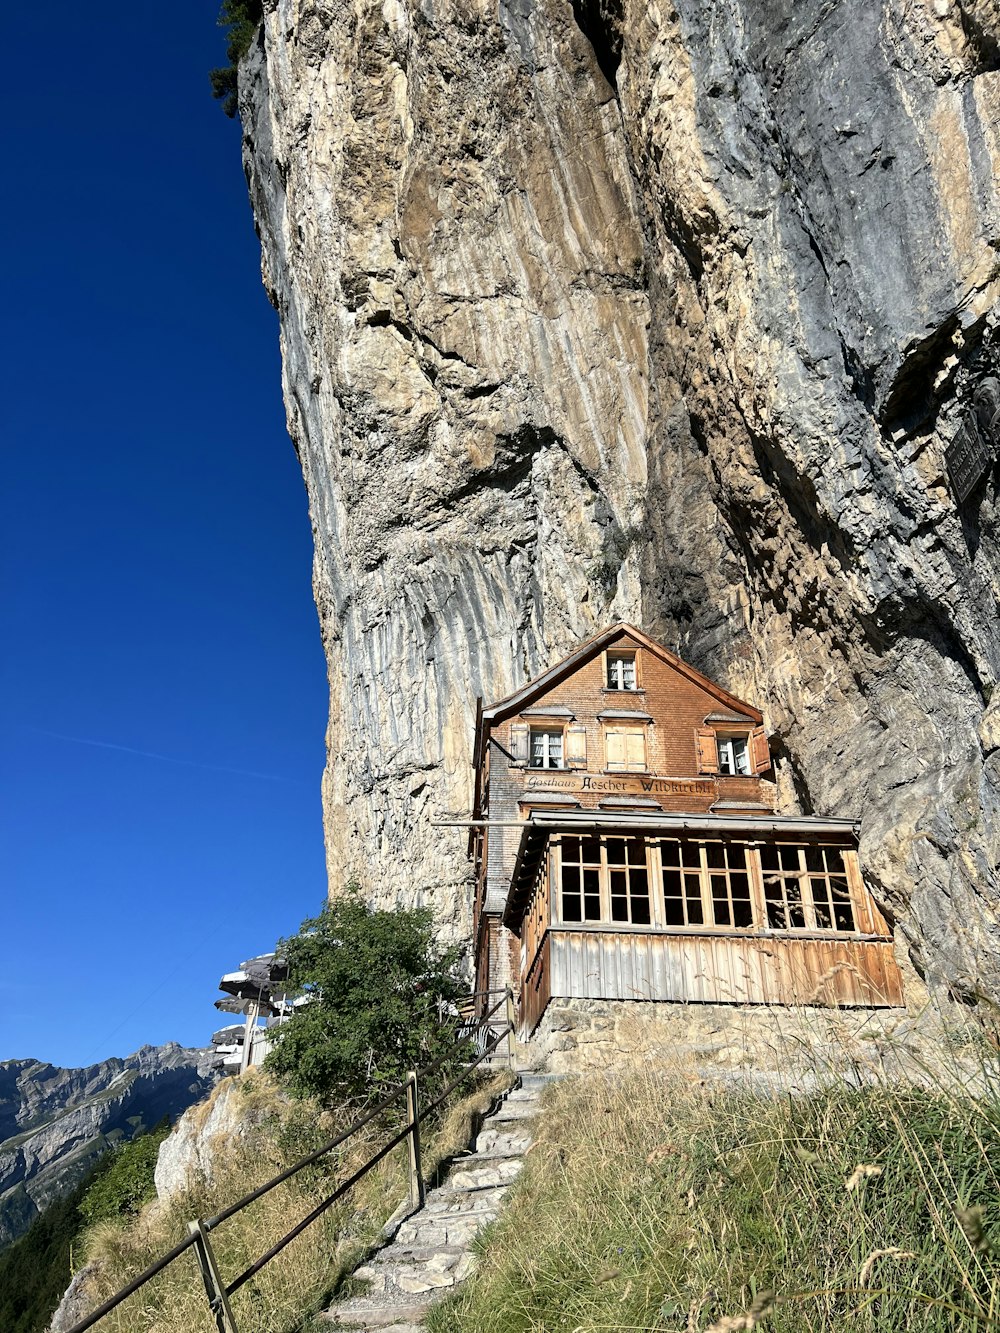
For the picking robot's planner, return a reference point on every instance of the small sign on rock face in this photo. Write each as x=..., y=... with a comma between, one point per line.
x=973, y=448
x=967, y=457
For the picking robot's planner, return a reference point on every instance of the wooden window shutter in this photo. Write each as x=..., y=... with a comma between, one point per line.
x=576, y=747
x=708, y=750
x=614, y=749
x=519, y=742
x=760, y=752
x=635, y=750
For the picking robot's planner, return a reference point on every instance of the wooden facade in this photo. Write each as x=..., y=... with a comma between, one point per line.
x=627, y=847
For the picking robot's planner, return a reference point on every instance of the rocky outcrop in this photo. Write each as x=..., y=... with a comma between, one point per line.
x=667, y=312
x=205, y=1135
x=77, y=1301
x=56, y=1122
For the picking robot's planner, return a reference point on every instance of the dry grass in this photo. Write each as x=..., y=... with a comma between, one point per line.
x=302, y=1279
x=651, y=1202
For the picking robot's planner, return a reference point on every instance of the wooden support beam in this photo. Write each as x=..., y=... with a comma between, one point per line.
x=214, y=1287
x=413, y=1143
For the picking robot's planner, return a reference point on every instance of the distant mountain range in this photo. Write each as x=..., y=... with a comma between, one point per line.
x=54, y=1123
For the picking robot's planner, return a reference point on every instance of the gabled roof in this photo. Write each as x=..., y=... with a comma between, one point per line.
x=520, y=699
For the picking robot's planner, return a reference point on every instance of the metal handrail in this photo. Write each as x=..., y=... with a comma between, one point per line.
x=219, y=1293
x=362, y=1171
x=320, y=1208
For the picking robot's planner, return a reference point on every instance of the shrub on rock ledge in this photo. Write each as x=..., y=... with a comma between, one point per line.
x=381, y=987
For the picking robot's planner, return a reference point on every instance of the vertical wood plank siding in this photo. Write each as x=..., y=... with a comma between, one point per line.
x=600, y=964
x=536, y=989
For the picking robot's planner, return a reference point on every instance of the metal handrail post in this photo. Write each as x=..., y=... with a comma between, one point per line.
x=413, y=1142
x=511, y=1027
x=214, y=1287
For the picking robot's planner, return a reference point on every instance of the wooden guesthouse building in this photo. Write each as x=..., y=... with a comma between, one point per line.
x=626, y=847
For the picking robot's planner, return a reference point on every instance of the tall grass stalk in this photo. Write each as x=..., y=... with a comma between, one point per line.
x=654, y=1202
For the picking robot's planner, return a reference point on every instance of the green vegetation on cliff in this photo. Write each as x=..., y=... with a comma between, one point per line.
x=651, y=1203
x=381, y=990
x=127, y=1182
x=36, y=1269
x=241, y=19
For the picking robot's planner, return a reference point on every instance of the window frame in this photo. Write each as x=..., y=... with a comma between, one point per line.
x=864, y=912
x=625, y=729
x=631, y=870
x=707, y=896
x=583, y=864
x=807, y=899
x=548, y=730
x=729, y=739
x=614, y=656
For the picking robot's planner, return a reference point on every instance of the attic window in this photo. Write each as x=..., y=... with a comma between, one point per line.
x=621, y=671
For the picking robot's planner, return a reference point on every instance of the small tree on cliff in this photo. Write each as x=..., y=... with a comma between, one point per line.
x=378, y=982
x=240, y=18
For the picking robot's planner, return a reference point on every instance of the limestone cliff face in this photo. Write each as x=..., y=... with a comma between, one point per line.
x=665, y=312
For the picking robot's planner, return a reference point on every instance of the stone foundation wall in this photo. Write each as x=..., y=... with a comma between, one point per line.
x=790, y=1048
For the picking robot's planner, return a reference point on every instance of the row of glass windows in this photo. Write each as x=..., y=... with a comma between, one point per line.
x=705, y=884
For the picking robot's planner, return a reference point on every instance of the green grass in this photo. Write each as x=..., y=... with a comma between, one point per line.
x=651, y=1204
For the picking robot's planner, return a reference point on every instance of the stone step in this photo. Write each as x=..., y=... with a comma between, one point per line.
x=431, y=1251
x=531, y=1079
x=512, y=1114
x=528, y=1105
x=502, y=1172
x=432, y=1272
x=356, y=1313
x=496, y=1141
x=485, y=1159
x=443, y=1230
x=419, y=1251
x=445, y=1202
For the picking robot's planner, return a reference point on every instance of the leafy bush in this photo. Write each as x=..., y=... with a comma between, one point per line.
x=127, y=1184
x=241, y=18
x=378, y=981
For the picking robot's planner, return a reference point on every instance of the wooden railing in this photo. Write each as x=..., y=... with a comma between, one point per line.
x=218, y=1291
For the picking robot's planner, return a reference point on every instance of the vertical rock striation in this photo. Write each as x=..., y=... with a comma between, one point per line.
x=655, y=311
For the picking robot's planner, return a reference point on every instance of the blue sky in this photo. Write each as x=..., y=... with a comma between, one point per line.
x=163, y=686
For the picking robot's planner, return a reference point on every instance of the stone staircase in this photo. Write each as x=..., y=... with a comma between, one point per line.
x=431, y=1252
